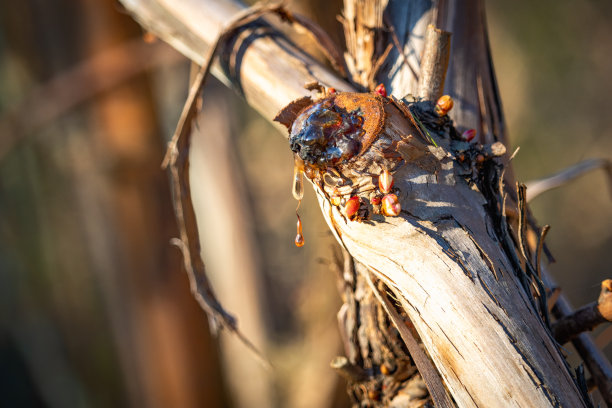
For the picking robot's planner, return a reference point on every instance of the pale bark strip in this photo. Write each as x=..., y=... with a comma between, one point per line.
x=482, y=334
x=563, y=177
x=434, y=63
x=430, y=374
x=177, y=161
x=268, y=70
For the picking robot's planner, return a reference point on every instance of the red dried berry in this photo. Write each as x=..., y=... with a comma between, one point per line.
x=385, y=182
x=352, y=207
x=444, y=105
x=391, y=206
x=381, y=90
x=469, y=135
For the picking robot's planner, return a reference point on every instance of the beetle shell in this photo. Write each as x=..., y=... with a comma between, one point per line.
x=337, y=128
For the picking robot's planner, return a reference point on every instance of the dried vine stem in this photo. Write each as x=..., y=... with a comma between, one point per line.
x=597, y=364
x=540, y=186
x=177, y=160
x=587, y=317
x=434, y=63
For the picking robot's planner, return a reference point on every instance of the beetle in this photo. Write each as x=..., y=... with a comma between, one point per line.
x=332, y=133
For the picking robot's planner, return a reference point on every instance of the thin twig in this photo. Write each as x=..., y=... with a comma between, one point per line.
x=537, y=187
x=541, y=239
x=586, y=318
x=399, y=47
x=553, y=297
x=522, y=221
x=522, y=238
x=377, y=65
x=177, y=159
x=597, y=364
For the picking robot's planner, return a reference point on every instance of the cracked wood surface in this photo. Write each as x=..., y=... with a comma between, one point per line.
x=441, y=256
x=444, y=262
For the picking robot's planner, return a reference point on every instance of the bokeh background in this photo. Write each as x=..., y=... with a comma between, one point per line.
x=95, y=309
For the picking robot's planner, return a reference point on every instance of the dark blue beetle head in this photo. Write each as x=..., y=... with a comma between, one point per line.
x=325, y=134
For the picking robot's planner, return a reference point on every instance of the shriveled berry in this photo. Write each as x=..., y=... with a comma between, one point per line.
x=352, y=207
x=469, y=135
x=376, y=200
x=381, y=90
x=391, y=206
x=385, y=182
x=444, y=105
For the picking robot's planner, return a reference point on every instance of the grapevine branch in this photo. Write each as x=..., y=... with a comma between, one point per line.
x=268, y=91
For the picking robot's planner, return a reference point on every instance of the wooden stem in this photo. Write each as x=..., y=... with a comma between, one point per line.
x=585, y=318
x=594, y=360
x=434, y=63
x=563, y=177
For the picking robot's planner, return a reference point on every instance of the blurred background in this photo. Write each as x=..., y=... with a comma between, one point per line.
x=95, y=309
